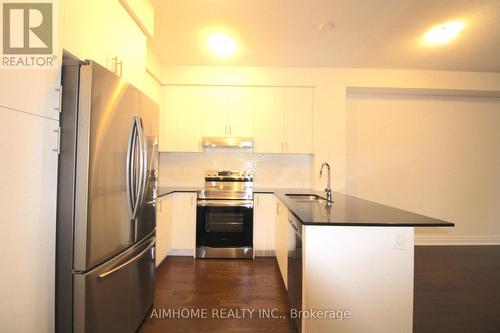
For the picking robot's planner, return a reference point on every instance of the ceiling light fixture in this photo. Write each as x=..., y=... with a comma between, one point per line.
x=221, y=44
x=443, y=33
x=326, y=26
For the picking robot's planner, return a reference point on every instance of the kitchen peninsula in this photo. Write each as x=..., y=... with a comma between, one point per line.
x=351, y=255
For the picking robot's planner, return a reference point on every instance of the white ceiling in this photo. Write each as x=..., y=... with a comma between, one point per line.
x=367, y=33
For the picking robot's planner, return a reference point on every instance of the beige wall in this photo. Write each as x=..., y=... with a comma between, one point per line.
x=435, y=155
x=152, y=89
x=151, y=82
x=331, y=118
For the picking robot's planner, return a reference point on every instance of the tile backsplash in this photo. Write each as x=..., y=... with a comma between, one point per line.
x=271, y=170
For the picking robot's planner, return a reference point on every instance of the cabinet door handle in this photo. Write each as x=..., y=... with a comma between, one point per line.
x=118, y=63
x=229, y=130
x=59, y=92
x=225, y=130
x=57, y=149
x=121, y=67
x=286, y=146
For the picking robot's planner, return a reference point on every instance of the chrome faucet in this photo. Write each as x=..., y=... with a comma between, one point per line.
x=328, y=188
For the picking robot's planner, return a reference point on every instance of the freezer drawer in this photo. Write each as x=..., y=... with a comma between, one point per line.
x=143, y=291
x=116, y=296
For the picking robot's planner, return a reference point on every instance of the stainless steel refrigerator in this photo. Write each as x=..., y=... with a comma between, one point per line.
x=106, y=214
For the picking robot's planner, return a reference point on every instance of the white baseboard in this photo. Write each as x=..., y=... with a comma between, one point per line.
x=181, y=253
x=456, y=240
x=265, y=253
x=189, y=253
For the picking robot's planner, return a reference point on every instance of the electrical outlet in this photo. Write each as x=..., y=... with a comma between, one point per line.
x=399, y=241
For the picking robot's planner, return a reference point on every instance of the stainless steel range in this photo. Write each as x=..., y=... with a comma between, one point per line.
x=224, y=220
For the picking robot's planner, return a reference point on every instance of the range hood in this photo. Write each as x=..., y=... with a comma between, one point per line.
x=227, y=142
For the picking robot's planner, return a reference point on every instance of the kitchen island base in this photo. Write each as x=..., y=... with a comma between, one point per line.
x=362, y=276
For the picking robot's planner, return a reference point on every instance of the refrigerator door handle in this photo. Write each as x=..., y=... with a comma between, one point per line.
x=115, y=269
x=131, y=169
x=143, y=165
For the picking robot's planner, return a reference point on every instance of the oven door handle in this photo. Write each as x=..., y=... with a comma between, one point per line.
x=225, y=203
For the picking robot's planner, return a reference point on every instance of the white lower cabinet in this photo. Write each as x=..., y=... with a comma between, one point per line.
x=264, y=225
x=176, y=225
x=163, y=228
x=184, y=224
x=28, y=193
x=282, y=240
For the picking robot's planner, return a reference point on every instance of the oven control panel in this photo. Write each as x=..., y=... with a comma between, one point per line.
x=229, y=174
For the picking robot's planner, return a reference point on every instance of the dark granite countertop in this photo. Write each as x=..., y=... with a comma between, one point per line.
x=346, y=210
x=168, y=190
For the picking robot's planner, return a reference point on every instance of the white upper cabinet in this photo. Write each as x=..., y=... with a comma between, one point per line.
x=240, y=111
x=215, y=111
x=283, y=120
x=228, y=111
x=88, y=41
x=131, y=46
x=279, y=119
x=181, y=119
x=268, y=121
x=298, y=119
x=113, y=39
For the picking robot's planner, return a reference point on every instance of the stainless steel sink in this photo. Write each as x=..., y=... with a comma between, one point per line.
x=312, y=198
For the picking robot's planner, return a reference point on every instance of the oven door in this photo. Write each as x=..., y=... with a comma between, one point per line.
x=224, y=224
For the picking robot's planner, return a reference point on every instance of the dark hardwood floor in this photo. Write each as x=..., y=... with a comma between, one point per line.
x=216, y=285
x=457, y=289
